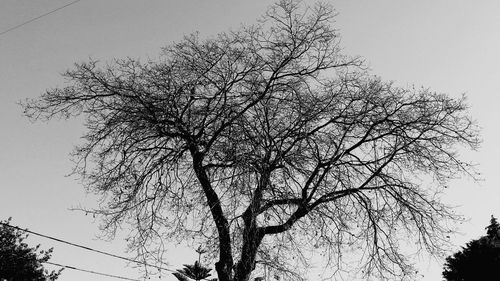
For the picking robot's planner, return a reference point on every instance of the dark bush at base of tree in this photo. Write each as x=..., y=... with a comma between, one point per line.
x=19, y=261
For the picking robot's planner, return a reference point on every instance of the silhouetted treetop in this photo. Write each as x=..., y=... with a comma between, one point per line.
x=19, y=261
x=193, y=271
x=478, y=260
x=493, y=229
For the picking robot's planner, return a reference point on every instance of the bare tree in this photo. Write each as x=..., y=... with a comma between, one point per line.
x=266, y=144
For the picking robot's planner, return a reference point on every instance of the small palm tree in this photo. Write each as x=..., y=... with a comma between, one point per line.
x=194, y=271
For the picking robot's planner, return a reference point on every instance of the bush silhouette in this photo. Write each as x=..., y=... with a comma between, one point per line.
x=478, y=260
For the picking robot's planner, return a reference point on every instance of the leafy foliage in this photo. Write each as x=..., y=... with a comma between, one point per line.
x=193, y=271
x=19, y=261
x=478, y=260
x=493, y=230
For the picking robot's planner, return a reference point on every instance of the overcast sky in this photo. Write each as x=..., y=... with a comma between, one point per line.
x=449, y=46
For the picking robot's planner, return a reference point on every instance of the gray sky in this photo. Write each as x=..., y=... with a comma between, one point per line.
x=450, y=46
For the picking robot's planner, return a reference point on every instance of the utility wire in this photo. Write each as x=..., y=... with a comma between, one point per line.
x=86, y=248
x=90, y=271
x=36, y=18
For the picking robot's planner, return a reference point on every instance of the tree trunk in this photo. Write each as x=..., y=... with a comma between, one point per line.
x=245, y=266
x=252, y=235
x=224, y=271
x=224, y=266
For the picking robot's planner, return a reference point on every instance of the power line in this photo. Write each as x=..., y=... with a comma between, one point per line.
x=90, y=271
x=85, y=247
x=36, y=18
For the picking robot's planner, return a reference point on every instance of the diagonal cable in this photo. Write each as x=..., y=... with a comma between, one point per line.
x=90, y=271
x=36, y=18
x=85, y=247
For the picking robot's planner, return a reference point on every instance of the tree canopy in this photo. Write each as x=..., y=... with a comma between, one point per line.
x=478, y=260
x=19, y=261
x=267, y=145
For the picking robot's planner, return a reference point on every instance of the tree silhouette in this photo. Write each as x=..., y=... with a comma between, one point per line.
x=195, y=271
x=266, y=144
x=19, y=261
x=493, y=230
x=478, y=260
